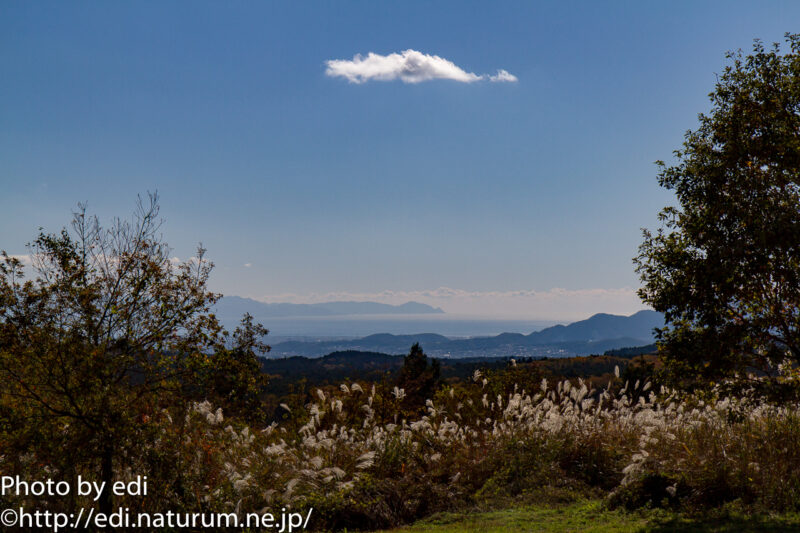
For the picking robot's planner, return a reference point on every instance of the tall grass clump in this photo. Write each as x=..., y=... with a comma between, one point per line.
x=350, y=455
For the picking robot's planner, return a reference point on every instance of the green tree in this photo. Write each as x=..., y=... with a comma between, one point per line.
x=235, y=379
x=109, y=331
x=418, y=379
x=725, y=265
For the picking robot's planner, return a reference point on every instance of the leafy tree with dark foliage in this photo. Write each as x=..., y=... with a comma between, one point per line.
x=110, y=332
x=725, y=266
x=418, y=378
x=235, y=379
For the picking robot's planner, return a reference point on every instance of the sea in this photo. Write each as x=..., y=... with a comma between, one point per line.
x=352, y=326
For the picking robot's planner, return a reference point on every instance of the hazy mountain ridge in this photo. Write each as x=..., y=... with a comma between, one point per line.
x=596, y=334
x=602, y=326
x=233, y=307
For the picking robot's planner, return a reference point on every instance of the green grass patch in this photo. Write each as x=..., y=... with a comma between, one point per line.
x=592, y=516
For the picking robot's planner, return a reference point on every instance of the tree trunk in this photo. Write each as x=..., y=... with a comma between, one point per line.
x=107, y=477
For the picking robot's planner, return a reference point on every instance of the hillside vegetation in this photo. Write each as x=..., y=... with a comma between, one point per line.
x=292, y=380
x=374, y=456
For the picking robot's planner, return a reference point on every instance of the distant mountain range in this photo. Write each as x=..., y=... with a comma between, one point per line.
x=596, y=334
x=231, y=308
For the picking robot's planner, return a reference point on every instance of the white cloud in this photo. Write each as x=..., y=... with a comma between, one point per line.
x=552, y=304
x=248, y=265
x=503, y=76
x=410, y=66
x=25, y=259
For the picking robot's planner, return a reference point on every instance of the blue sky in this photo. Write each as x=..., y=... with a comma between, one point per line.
x=517, y=199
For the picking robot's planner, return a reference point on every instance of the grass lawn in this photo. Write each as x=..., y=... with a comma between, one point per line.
x=590, y=516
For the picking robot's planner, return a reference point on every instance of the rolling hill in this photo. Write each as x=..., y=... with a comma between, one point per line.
x=596, y=334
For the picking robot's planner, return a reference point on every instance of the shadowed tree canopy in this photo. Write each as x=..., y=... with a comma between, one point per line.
x=418, y=377
x=235, y=378
x=108, y=331
x=725, y=266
